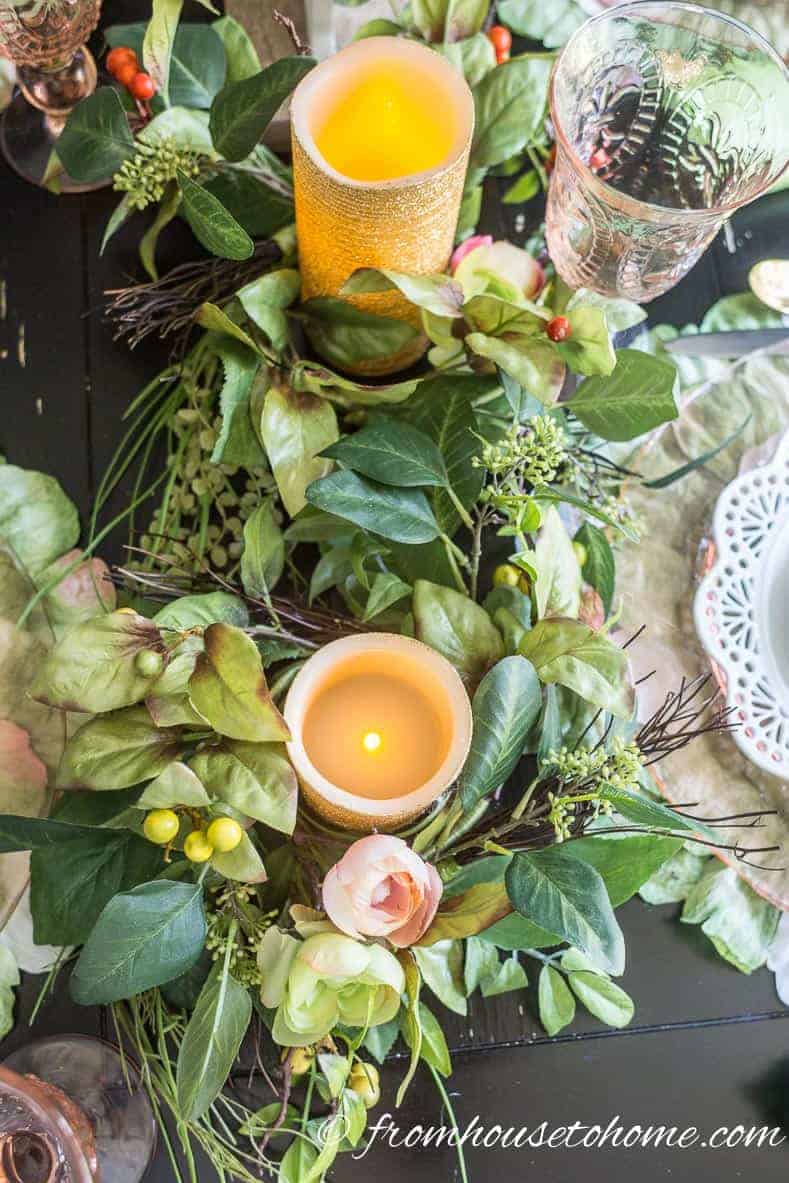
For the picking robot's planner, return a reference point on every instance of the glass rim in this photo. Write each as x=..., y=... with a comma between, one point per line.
x=636, y=7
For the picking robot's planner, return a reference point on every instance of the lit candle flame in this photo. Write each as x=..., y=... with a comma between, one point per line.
x=371, y=741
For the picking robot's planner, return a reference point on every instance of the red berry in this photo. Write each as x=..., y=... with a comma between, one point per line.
x=502, y=55
x=126, y=73
x=500, y=38
x=559, y=329
x=142, y=87
x=120, y=56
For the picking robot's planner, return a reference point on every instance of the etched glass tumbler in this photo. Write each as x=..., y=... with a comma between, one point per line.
x=668, y=118
x=55, y=69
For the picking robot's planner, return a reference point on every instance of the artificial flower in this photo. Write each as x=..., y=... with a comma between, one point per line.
x=482, y=266
x=325, y=980
x=382, y=888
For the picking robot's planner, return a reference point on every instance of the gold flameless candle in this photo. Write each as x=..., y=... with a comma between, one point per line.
x=381, y=726
x=381, y=135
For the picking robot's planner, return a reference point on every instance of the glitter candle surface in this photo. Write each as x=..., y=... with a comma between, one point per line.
x=381, y=726
x=381, y=135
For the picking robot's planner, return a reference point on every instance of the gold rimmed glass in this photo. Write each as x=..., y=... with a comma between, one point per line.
x=45, y=39
x=668, y=118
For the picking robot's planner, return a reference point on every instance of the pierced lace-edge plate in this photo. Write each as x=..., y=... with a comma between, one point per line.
x=741, y=609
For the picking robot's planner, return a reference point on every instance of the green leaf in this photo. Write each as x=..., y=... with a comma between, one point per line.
x=228, y=688
x=441, y=967
x=317, y=379
x=608, y=1002
x=473, y=56
x=637, y=397
x=264, y=300
x=211, y=1042
x=556, y=1003
x=96, y=138
x=348, y=336
x=37, y=520
x=429, y=17
x=119, y=216
x=187, y=126
x=177, y=785
x=237, y=442
x=264, y=552
x=168, y=208
x=557, y=590
x=671, y=883
x=391, y=452
x=400, y=514
x=574, y=655
x=456, y=627
x=197, y=60
x=200, y=610
x=516, y=932
x=588, y=349
x=526, y=187
x=510, y=103
x=506, y=704
x=212, y=225
x=411, y=1025
x=599, y=568
x=567, y=896
x=72, y=883
x=534, y=364
x=37, y=833
x=242, y=57
x=116, y=750
x=251, y=202
x=380, y=27
x=434, y=1049
x=511, y=976
x=385, y=591
x=243, y=864
x=157, y=44
x=94, y=667
x=676, y=474
x=297, y=1161
x=644, y=811
x=468, y=913
x=625, y=862
x=209, y=316
x=465, y=18
x=143, y=938
x=295, y=428
x=438, y=294
x=481, y=963
x=242, y=111
x=380, y=1040
x=254, y=779
x=442, y=409
x=553, y=24
x=740, y=924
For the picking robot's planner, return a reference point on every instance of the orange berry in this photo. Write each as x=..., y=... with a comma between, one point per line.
x=120, y=56
x=142, y=87
x=500, y=38
x=126, y=73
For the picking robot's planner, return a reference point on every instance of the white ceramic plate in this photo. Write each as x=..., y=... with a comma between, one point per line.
x=741, y=609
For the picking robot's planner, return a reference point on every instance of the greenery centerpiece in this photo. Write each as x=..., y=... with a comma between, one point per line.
x=183, y=881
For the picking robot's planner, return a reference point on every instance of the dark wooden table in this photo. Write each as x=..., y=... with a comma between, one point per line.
x=708, y=1047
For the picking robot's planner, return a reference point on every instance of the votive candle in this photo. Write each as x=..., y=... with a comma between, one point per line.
x=380, y=726
x=381, y=135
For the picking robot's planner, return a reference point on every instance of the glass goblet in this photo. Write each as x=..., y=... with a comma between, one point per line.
x=668, y=118
x=72, y=1111
x=55, y=70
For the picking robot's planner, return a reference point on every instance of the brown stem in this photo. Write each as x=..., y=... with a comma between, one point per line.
x=300, y=46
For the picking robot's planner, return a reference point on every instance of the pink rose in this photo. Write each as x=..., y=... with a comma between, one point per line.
x=465, y=248
x=382, y=888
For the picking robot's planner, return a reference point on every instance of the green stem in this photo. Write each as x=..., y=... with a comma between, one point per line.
x=451, y=1113
x=525, y=799
x=465, y=517
x=456, y=575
